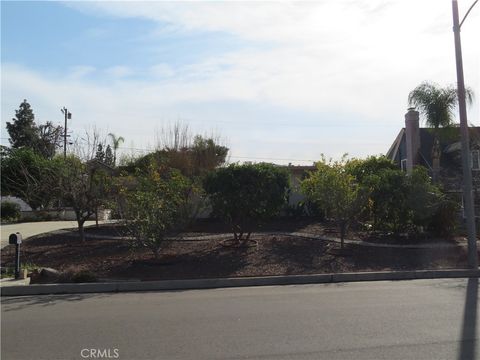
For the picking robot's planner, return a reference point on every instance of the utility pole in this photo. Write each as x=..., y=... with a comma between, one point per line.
x=467, y=172
x=67, y=116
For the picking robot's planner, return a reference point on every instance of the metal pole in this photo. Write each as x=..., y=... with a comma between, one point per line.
x=17, y=261
x=65, y=134
x=467, y=172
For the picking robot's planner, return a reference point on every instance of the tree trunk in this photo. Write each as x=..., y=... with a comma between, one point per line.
x=96, y=216
x=343, y=229
x=436, y=153
x=81, y=230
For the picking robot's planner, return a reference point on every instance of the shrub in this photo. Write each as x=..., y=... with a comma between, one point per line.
x=332, y=188
x=10, y=211
x=84, y=276
x=246, y=195
x=444, y=220
x=159, y=205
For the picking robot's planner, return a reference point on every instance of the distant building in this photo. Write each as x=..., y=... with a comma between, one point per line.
x=414, y=146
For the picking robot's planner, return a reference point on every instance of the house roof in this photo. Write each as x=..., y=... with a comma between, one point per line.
x=451, y=163
x=449, y=142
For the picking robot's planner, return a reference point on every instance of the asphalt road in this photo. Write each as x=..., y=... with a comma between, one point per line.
x=421, y=319
x=35, y=228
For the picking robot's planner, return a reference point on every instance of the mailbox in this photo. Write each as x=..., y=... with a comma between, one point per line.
x=15, y=239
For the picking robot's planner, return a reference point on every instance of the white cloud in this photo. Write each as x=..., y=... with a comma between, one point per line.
x=357, y=54
x=355, y=57
x=162, y=70
x=80, y=71
x=119, y=71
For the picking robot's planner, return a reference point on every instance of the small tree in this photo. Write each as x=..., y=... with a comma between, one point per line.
x=82, y=187
x=333, y=189
x=157, y=206
x=245, y=195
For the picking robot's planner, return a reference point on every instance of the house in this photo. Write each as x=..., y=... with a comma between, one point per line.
x=297, y=174
x=416, y=146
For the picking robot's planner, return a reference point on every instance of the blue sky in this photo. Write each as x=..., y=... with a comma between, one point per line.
x=273, y=80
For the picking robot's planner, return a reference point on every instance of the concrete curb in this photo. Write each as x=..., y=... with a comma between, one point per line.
x=127, y=286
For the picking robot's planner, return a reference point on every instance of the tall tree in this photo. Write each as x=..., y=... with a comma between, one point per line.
x=116, y=141
x=437, y=105
x=23, y=131
x=44, y=139
x=100, y=154
x=109, y=159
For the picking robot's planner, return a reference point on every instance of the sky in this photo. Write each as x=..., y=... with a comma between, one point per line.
x=282, y=82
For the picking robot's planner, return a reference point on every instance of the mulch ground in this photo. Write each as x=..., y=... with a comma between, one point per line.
x=188, y=259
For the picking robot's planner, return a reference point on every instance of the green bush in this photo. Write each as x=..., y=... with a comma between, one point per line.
x=10, y=211
x=84, y=276
x=158, y=206
x=246, y=195
x=332, y=188
x=445, y=219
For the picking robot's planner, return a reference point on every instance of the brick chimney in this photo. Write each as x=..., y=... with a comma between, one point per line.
x=412, y=134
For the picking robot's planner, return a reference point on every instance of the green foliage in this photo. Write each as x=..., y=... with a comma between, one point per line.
x=157, y=205
x=23, y=130
x=49, y=139
x=206, y=154
x=399, y=202
x=100, y=154
x=372, y=165
x=116, y=142
x=194, y=160
x=84, y=276
x=29, y=176
x=109, y=157
x=335, y=190
x=245, y=195
x=83, y=186
x=10, y=211
x=444, y=220
x=437, y=104
x=24, y=133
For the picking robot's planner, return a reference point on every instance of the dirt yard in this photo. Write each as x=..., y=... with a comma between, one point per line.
x=213, y=257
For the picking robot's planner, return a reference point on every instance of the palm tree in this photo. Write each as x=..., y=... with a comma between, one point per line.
x=116, y=141
x=437, y=105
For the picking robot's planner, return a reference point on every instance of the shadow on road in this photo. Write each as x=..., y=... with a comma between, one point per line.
x=468, y=341
x=19, y=303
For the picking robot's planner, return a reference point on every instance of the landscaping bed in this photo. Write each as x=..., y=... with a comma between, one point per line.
x=269, y=254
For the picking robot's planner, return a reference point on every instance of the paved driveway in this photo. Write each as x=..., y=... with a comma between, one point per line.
x=34, y=228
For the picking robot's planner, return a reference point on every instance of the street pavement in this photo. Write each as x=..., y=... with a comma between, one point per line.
x=418, y=319
x=29, y=229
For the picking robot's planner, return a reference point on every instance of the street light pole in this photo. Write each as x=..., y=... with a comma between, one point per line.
x=467, y=172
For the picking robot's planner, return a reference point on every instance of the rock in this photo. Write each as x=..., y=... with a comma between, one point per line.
x=49, y=274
